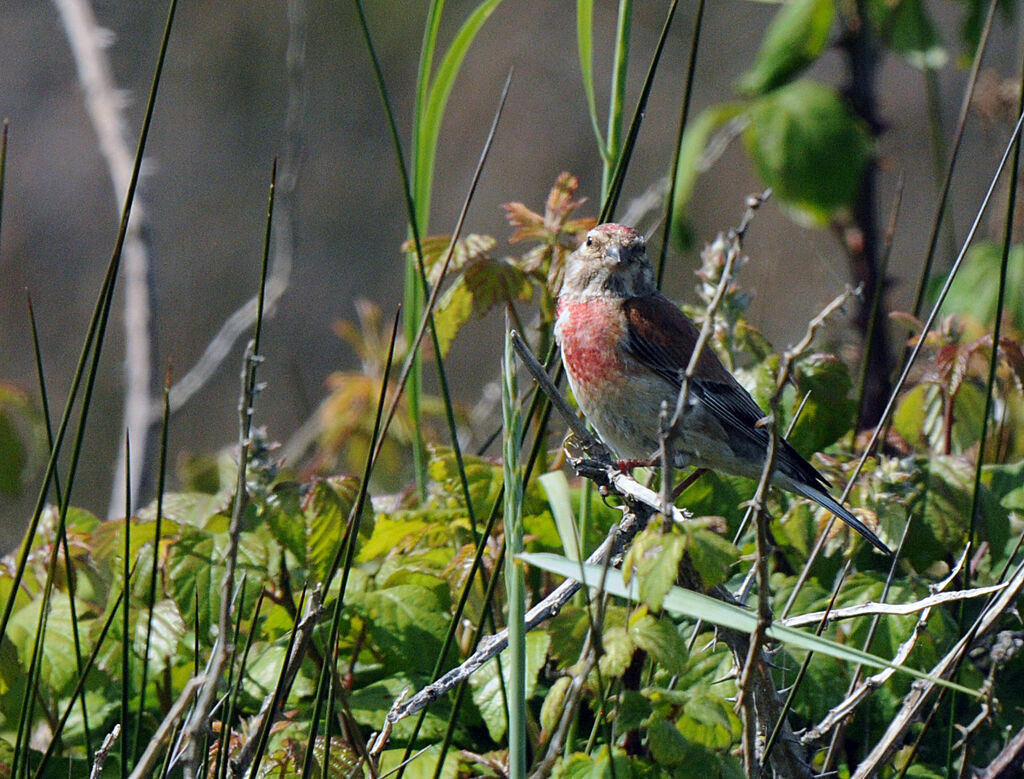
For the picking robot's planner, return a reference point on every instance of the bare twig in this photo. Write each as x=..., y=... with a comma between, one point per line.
x=920, y=692
x=146, y=766
x=104, y=104
x=198, y=720
x=901, y=609
x=104, y=751
x=860, y=691
x=271, y=704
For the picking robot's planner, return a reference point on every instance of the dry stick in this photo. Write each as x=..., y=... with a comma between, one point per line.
x=105, y=105
x=845, y=708
x=919, y=693
x=146, y=766
x=271, y=703
x=103, y=752
x=198, y=720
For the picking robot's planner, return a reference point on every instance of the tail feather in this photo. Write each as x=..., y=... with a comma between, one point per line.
x=825, y=500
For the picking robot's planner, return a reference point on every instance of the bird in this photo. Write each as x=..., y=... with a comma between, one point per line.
x=626, y=347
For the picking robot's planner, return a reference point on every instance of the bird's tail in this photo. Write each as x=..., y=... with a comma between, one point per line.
x=825, y=500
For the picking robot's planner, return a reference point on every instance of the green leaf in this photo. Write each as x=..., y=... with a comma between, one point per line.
x=666, y=743
x=709, y=720
x=429, y=128
x=907, y=29
x=618, y=652
x=692, y=152
x=828, y=413
x=655, y=557
x=695, y=605
x=407, y=624
x=975, y=290
x=796, y=37
x=485, y=283
x=167, y=630
x=597, y=766
x=659, y=638
x=554, y=704
x=486, y=687
x=370, y=703
x=326, y=514
x=809, y=148
x=422, y=764
x=712, y=556
x=58, y=670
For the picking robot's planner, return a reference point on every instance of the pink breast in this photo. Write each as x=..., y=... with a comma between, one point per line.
x=590, y=333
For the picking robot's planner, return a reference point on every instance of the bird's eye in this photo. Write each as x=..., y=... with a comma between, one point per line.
x=590, y=241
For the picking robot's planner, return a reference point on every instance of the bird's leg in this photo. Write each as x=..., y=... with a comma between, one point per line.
x=687, y=482
x=627, y=466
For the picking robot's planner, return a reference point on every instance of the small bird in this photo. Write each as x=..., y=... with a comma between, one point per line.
x=626, y=347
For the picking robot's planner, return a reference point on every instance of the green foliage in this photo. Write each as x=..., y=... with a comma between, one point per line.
x=808, y=147
x=411, y=580
x=795, y=38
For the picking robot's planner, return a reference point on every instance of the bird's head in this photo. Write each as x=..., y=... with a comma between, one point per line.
x=611, y=260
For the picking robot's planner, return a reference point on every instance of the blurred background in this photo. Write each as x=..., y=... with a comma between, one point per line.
x=222, y=116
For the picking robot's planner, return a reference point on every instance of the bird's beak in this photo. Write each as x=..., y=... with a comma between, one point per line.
x=615, y=252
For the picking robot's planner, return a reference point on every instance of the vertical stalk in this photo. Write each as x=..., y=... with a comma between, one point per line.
x=514, y=580
x=618, y=95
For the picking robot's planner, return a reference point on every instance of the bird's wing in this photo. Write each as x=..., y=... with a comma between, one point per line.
x=663, y=338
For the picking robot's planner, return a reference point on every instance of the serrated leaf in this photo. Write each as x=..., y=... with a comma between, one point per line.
x=554, y=704
x=486, y=687
x=828, y=413
x=660, y=639
x=618, y=652
x=406, y=623
x=484, y=283
x=709, y=720
x=712, y=556
x=795, y=38
x=165, y=631
x=422, y=764
x=326, y=514
x=666, y=743
x=58, y=669
x=809, y=148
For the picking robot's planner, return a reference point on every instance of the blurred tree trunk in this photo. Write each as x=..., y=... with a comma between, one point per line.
x=862, y=236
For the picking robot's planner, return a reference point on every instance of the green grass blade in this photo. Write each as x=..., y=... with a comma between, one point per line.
x=556, y=487
x=695, y=605
x=585, y=48
x=423, y=80
x=614, y=189
x=96, y=330
x=514, y=578
x=617, y=99
x=429, y=129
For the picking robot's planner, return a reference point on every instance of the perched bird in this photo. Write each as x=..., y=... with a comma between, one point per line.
x=626, y=348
